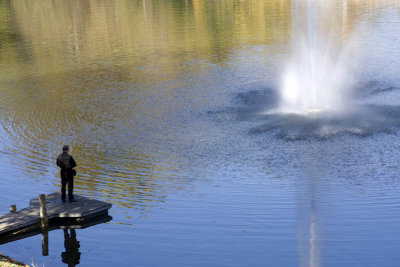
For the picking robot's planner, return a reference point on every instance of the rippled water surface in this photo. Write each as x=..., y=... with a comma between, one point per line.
x=168, y=107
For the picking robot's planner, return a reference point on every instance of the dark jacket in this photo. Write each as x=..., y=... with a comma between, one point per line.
x=65, y=161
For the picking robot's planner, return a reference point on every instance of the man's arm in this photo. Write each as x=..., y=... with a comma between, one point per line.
x=72, y=162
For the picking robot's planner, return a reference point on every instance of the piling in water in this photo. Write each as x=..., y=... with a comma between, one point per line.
x=43, y=211
x=13, y=208
x=45, y=241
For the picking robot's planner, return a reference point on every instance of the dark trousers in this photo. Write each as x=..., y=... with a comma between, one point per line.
x=67, y=178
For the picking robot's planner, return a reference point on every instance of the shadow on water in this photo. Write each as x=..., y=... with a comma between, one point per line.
x=71, y=255
x=248, y=106
x=365, y=118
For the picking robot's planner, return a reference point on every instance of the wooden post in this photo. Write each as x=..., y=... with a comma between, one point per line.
x=13, y=208
x=45, y=242
x=43, y=210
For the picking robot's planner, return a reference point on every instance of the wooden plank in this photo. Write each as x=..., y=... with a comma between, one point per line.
x=80, y=208
x=21, y=218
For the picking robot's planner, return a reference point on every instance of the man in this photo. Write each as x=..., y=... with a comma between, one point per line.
x=66, y=162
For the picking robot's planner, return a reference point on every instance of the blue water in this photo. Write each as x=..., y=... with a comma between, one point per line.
x=166, y=111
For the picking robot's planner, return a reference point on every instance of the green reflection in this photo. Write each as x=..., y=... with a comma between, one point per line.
x=64, y=35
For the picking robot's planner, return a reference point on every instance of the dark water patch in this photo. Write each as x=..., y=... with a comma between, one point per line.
x=361, y=120
x=257, y=100
x=372, y=88
x=247, y=106
x=364, y=122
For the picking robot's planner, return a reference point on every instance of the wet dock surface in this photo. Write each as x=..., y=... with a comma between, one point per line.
x=28, y=219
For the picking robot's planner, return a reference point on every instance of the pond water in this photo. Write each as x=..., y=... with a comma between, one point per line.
x=168, y=107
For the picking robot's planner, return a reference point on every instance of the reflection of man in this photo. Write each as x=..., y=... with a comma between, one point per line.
x=71, y=256
x=66, y=162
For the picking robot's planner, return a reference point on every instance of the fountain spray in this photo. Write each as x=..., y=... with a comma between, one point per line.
x=317, y=77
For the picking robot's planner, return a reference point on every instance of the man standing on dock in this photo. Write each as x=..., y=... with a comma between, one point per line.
x=66, y=162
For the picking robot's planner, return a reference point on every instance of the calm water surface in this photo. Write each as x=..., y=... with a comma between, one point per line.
x=164, y=105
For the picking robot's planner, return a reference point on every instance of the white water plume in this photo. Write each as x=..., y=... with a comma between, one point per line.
x=317, y=77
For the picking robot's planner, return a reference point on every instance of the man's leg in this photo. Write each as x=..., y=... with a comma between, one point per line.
x=63, y=184
x=70, y=187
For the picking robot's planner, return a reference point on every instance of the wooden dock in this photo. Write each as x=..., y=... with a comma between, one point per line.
x=28, y=219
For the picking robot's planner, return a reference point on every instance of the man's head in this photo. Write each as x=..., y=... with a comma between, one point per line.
x=65, y=148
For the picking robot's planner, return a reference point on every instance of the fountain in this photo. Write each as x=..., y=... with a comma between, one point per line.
x=317, y=77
